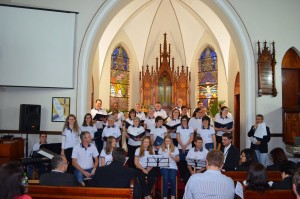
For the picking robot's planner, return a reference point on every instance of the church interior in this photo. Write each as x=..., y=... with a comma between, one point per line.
x=245, y=53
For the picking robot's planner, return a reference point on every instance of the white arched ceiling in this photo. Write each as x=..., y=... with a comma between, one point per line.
x=184, y=21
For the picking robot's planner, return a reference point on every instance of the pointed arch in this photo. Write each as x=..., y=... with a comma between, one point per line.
x=119, y=78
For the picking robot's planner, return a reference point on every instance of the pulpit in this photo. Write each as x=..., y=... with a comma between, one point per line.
x=164, y=83
x=11, y=150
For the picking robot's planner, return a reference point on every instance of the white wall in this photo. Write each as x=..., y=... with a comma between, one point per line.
x=271, y=20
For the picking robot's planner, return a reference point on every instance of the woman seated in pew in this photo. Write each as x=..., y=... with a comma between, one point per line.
x=11, y=176
x=146, y=175
x=287, y=171
x=247, y=158
x=278, y=157
x=106, y=153
x=257, y=178
x=169, y=150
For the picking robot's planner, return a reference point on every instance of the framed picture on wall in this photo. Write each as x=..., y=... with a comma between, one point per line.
x=60, y=109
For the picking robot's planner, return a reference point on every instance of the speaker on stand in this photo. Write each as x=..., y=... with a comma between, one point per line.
x=30, y=119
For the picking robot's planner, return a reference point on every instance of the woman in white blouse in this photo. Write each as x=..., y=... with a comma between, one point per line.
x=87, y=125
x=70, y=137
x=135, y=135
x=207, y=133
x=106, y=153
x=146, y=175
x=169, y=150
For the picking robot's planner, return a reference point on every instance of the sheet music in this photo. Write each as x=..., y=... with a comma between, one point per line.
x=44, y=153
x=261, y=130
x=196, y=162
x=239, y=190
x=157, y=161
x=253, y=140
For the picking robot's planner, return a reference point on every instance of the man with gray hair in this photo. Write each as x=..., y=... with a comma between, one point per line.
x=211, y=184
x=58, y=177
x=82, y=158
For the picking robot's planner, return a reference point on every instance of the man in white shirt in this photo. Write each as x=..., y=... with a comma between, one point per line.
x=211, y=184
x=139, y=113
x=82, y=158
x=43, y=140
x=179, y=105
x=115, y=108
x=159, y=111
x=99, y=124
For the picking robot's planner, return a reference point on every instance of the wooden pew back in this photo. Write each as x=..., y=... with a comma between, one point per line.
x=270, y=194
x=242, y=175
x=49, y=192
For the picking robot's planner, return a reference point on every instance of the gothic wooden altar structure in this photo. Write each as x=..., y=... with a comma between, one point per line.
x=164, y=83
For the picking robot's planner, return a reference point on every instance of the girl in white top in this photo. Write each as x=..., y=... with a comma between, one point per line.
x=111, y=130
x=134, y=143
x=207, y=133
x=185, y=136
x=195, y=122
x=145, y=173
x=168, y=149
x=106, y=153
x=158, y=131
x=87, y=125
x=172, y=122
x=149, y=122
x=70, y=137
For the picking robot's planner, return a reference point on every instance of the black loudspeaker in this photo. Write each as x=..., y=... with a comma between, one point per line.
x=30, y=118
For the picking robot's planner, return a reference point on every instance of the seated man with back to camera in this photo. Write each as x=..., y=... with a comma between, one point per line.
x=116, y=175
x=82, y=158
x=58, y=175
x=211, y=184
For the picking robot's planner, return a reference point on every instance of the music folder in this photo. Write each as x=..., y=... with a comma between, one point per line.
x=99, y=117
x=228, y=125
x=137, y=136
x=158, y=141
x=172, y=127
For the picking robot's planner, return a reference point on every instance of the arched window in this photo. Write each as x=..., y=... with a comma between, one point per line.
x=119, y=78
x=208, y=77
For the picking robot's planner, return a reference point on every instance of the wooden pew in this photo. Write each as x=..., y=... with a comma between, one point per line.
x=241, y=175
x=49, y=192
x=270, y=194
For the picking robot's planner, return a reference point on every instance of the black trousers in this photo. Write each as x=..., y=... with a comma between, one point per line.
x=68, y=154
x=131, y=152
x=146, y=181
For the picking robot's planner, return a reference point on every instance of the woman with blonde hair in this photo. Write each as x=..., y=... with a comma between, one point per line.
x=70, y=137
x=146, y=174
x=106, y=153
x=169, y=150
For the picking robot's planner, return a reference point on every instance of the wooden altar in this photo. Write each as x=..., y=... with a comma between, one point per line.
x=165, y=84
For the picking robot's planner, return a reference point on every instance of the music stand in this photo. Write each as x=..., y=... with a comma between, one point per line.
x=196, y=163
x=158, y=161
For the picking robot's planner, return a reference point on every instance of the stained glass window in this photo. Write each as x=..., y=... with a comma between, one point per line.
x=208, y=76
x=119, y=78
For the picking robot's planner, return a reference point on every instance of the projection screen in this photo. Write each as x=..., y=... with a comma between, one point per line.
x=36, y=47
